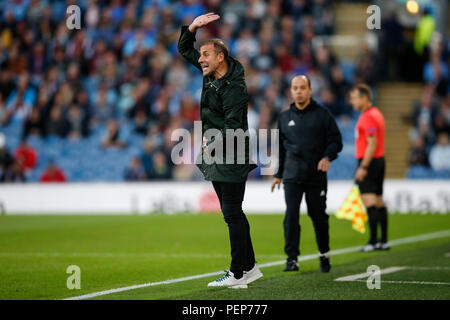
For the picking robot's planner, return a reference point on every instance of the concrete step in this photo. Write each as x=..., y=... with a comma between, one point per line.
x=395, y=101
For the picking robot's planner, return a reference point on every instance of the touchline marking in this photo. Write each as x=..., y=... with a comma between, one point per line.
x=355, y=277
x=423, y=237
x=363, y=275
x=428, y=268
x=410, y=282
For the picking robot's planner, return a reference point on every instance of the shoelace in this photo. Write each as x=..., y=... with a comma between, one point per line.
x=224, y=277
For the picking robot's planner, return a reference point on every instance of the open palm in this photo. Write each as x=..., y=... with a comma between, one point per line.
x=203, y=20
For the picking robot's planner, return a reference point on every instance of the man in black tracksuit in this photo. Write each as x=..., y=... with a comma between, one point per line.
x=309, y=141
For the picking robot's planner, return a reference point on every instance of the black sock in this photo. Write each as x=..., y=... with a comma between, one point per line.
x=373, y=215
x=383, y=218
x=238, y=274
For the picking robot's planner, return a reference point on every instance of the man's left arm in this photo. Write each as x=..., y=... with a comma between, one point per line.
x=333, y=143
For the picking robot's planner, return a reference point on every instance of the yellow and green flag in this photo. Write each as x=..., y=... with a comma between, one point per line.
x=354, y=210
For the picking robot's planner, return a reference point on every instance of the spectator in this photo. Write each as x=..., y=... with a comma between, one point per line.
x=141, y=123
x=440, y=153
x=436, y=73
x=82, y=100
x=136, y=171
x=161, y=169
x=189, y=9
x=34, y=124
x=441, y=125
x=147, y=156
x=366, y=67
x=14, y=173
x=112, y=138
x=26, y=156
x=340, y=88
x=20, y=101
x=177, y=75
x=189, y=109
x=425, y=109
x=424, y=32
x=141, y=98
x=6, y=83
x=53, y=173
x=77, y=120
x=419, y=155
x=6, y=159
x=57, y=125
x=104, y=106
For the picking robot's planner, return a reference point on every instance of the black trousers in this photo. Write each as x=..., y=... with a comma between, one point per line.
x=316, y=197
x=231, y=195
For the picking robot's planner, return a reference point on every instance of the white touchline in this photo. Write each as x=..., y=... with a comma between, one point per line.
x=423, y=237
x=354, y=277
x=357, y=277
x=410, y=282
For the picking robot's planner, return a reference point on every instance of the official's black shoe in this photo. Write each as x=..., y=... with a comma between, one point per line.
x=325, y=265
x=291, y=265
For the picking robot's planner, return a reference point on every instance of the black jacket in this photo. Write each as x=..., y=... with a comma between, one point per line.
x=306, y=136
x=223, y=105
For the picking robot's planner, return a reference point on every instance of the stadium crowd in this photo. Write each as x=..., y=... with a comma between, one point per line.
x=430, y=152
x=122, y=69
x=119, y=83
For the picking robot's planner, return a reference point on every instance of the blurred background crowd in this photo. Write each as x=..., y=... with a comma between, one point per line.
x=100, y=103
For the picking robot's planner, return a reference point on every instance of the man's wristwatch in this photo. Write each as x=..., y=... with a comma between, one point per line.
x=364, y=167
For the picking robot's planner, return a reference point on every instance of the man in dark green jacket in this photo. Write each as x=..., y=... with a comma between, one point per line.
x=223, y=113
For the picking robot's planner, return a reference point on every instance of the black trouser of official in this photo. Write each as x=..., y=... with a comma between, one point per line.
x=316, y=197
x=231, y=195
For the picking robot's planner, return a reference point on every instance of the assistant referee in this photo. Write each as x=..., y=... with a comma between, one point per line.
x=370, y=134
x=309, y=141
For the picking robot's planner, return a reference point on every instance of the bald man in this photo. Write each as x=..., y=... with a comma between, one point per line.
x=309, y=140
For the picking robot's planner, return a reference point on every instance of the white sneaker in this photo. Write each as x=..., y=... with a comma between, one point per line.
x=368, y=247
x=385, y=246
x=252, y=275
x=228, y=280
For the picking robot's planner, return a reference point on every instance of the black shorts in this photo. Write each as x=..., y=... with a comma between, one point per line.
x=373, y=182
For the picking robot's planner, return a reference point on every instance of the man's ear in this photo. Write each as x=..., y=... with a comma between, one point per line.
x=221, y=56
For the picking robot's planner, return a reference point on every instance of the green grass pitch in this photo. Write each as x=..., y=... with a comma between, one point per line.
x=119, y=251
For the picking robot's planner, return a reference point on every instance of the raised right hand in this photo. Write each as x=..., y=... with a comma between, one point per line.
x=203, y=20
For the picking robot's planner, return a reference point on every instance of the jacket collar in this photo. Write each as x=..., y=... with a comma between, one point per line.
x=235, y=69
x=312, y=105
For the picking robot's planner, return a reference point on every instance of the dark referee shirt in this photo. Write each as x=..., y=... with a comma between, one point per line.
x=306, y=136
